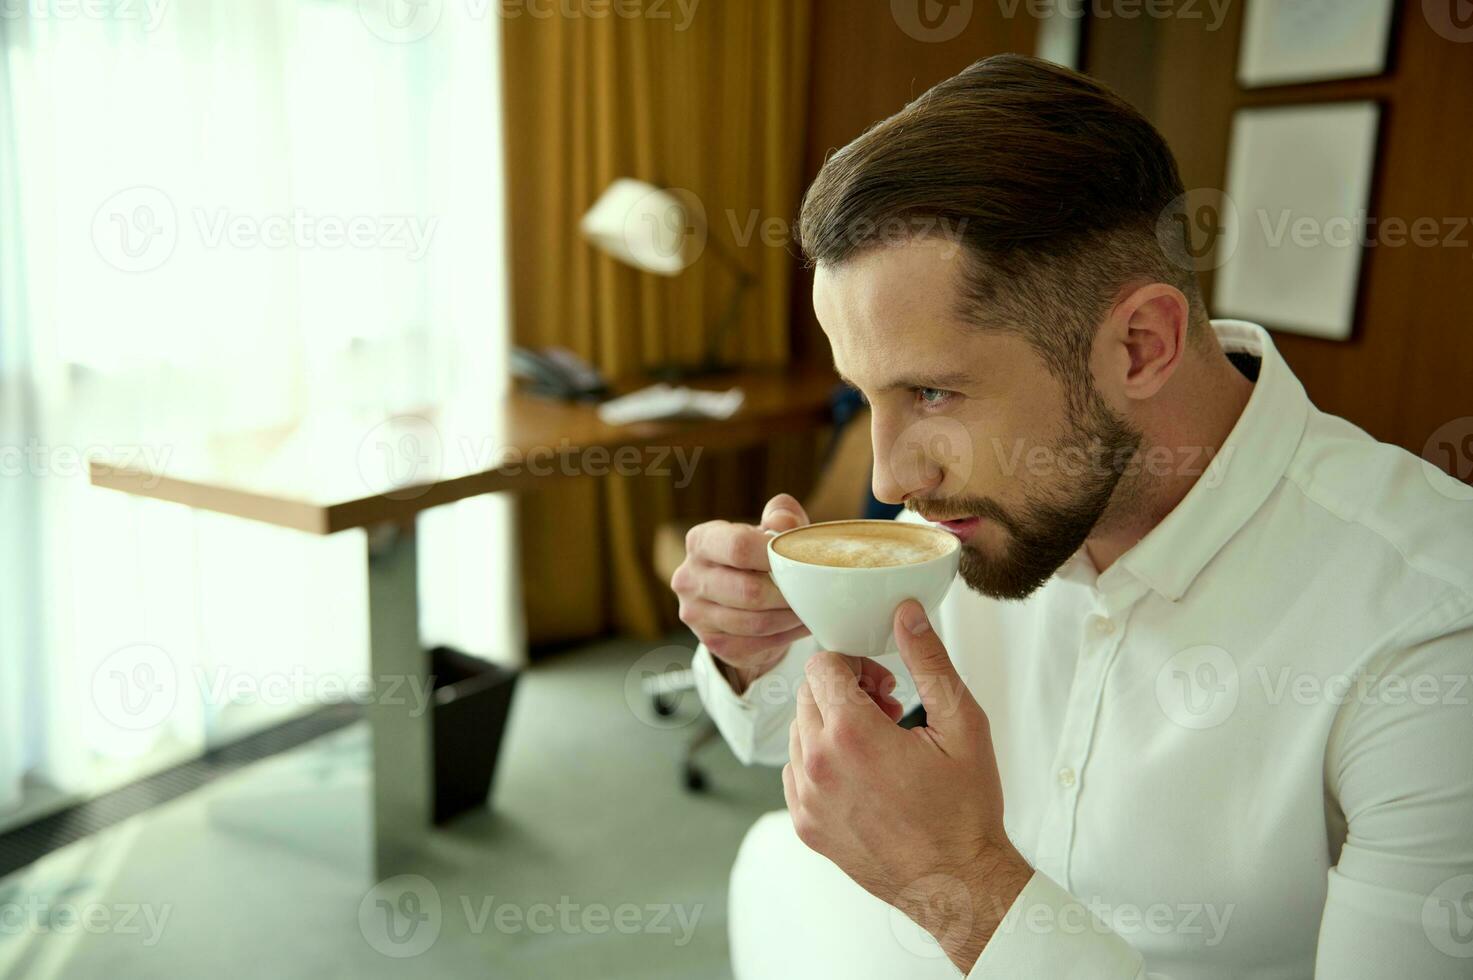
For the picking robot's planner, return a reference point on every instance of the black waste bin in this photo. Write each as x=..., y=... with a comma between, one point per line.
x=472, y=698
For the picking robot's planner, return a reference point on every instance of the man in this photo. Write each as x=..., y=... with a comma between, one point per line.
x=1199, y=703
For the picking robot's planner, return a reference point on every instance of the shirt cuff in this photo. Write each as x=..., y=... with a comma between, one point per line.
x=755, y=722
x=1047, y=932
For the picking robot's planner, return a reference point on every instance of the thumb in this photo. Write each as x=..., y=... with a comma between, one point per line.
x=943, y=692
x=783, y=513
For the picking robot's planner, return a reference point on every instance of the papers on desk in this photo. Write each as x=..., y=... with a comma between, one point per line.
x=661, y=401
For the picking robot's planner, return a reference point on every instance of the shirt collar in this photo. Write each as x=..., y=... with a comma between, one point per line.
x=1237, y=482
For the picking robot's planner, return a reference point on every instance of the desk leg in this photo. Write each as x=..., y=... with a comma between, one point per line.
x=399, y=720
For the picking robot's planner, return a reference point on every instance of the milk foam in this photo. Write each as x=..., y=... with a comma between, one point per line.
x=862, y=546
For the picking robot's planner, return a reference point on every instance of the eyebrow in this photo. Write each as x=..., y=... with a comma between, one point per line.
x=945, y=382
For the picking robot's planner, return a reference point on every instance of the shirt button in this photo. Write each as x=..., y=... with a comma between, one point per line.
x=1066, y=776
x=1104, y=626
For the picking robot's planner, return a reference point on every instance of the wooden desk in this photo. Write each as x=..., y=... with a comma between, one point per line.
x=336, y=472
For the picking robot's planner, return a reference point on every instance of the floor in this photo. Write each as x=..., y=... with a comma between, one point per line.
x=592, y=861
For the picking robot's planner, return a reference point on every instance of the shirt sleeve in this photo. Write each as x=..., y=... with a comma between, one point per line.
x=755, y=722
x=1047, y=932
x=1399, y=775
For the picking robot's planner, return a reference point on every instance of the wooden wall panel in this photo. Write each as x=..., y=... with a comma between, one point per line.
x=1408, y=368
x=866, y=67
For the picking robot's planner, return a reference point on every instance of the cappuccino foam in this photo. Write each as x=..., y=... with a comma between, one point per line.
x=863, y=545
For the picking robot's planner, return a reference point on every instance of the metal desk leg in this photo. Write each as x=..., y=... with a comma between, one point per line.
x=399, y=720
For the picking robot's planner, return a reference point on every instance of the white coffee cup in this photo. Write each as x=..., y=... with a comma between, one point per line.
x=849, y=605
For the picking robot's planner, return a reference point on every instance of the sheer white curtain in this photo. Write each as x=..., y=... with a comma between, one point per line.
x=217, y=217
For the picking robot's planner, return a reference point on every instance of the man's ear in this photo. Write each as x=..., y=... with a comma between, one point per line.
x=1147, y=335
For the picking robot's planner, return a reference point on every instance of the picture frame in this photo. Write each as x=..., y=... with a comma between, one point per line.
x=1288, y=42
x=1297, y=210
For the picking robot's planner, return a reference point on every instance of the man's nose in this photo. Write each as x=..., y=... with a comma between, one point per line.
x=903, y=466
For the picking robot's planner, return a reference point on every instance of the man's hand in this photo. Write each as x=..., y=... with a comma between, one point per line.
x=727, y=597
x=914, y=816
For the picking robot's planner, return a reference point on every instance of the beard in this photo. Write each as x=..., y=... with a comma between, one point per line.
x=1051, y=525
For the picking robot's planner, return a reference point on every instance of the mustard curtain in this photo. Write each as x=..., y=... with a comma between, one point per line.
x=709, y=97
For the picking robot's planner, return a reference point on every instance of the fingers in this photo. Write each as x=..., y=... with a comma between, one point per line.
x=835, y=690
x=703, y=614
x=808, y=720
x=783, y=513
x=794, y=767
x=732, y=587
x=727, y=596
x=942, y=691
x=879, y=684
x=723, y=543
x=740, y=650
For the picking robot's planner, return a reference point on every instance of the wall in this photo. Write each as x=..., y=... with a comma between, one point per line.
x=1408, y=369
x=866, y=67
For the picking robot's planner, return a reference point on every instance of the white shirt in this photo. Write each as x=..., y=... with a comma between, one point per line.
x=1247, y=747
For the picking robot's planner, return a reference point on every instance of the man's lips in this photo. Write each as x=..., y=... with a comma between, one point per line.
x=962, y=527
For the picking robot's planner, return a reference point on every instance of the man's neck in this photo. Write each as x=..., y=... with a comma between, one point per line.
x=1192, y=422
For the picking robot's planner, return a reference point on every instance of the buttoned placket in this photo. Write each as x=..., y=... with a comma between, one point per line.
x=1101, y=634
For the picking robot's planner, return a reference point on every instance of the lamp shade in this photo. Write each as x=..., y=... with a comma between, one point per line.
x=645, y=226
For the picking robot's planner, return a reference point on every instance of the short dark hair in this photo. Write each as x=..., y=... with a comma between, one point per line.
x=1054, y=186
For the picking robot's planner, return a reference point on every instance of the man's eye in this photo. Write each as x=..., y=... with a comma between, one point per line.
x=931, y=396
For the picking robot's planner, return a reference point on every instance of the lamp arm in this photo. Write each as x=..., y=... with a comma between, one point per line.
x=716, y=346
x=728, y=259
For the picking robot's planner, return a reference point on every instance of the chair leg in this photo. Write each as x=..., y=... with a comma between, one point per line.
x=693, y=775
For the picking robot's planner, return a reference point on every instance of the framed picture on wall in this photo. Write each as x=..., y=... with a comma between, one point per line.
x=1298, y=197
x=1292, y=41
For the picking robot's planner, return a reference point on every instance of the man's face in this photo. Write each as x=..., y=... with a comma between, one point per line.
x=969, y=426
